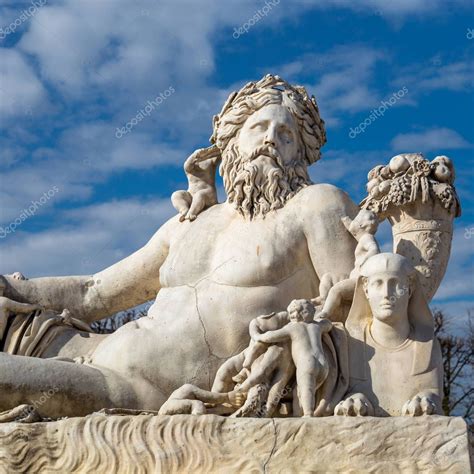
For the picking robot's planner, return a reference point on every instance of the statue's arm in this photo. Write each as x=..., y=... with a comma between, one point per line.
x=331, y=247
x=129, y=282
x=279, y=335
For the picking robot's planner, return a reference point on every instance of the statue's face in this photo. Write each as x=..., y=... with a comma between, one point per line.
x=271, y=125
x=294, y=316
x=302, y=314
x=388, y=295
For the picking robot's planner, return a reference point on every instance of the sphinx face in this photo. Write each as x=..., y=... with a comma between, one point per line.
x=274, y=126
x=388, y=295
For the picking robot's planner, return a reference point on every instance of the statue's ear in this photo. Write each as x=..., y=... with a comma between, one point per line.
x=347, y=221
x=365, y=282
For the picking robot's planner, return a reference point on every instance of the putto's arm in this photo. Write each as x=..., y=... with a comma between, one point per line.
x=130, y=282
x=274, y=336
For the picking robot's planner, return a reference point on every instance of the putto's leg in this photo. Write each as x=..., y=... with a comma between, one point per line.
x=230, y=368
x=57, y=389
x=306, y=382
x=191, y=392
x=344, y=290
x=263, y=368
x=181, y=201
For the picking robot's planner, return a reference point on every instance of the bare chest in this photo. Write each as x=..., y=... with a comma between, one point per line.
x=233, y=251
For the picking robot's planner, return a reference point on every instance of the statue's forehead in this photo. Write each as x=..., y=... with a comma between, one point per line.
x=381, y=273
x=273, y=112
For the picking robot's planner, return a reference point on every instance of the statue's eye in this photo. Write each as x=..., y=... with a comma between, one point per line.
x=258, y=126
x=286, y=135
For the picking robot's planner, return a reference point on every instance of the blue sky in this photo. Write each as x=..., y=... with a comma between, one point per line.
x=73, y=71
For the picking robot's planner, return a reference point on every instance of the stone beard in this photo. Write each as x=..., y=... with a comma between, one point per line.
x=261, y=182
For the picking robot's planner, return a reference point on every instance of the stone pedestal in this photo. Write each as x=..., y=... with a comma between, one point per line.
x=195, y=444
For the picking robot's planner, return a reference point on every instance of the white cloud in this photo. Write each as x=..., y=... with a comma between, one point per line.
x=395, y=8
x=459, y=279
x=21, y=93
x=435, y=139
x=347, y=169
x=436, y=75
x=345, y=79
x=83, y=156
x=88, y=239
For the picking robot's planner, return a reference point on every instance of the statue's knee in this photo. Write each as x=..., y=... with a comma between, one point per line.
x=198, y=408
x=186, y=391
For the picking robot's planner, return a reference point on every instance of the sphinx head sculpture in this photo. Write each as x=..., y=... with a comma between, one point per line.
x=395, y=360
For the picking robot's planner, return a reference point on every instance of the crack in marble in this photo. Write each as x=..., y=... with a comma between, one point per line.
x=211, y=353
x=273, y=447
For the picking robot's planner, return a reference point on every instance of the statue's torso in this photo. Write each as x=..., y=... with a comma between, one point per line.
x=390, y=381
x=220, y=273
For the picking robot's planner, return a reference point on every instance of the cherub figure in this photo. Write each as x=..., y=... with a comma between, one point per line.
x=259, y=325
x=8, y=306
x=200, y=170
x=307, y=351
x=363, y=228
x=443, y=169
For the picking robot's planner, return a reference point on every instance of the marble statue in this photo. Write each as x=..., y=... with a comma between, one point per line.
x=258, y=326
x=217, y=338
x=419, y=200
x=307, y=353
x=200, y=170
x=363, y=228
x=270, y=242
x=395, y=359
x=8, y=306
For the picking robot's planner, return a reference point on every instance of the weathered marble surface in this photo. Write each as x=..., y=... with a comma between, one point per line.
x=210, y=443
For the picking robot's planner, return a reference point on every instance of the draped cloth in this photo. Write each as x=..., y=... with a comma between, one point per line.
x=335, y=386
x=30, y=335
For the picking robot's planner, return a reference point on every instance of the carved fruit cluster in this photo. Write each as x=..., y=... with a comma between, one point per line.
x=408, y=178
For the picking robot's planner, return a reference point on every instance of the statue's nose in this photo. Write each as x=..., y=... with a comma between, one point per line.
x=270, y=137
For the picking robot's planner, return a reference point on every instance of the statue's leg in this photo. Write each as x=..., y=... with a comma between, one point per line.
x=306, y=386
x=57, y=389
x=230, y=368
x=197, y=205
x=280, y=383
x=181, y=201
x=263, y=368
x=342, y=290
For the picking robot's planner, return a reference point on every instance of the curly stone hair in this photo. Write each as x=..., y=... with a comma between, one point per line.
x=272, y=90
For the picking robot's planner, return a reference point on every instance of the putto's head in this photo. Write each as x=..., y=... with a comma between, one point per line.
x=443, y=169
x=388, y=281
x=364, y=222
x=268, y=133
x=301, y=310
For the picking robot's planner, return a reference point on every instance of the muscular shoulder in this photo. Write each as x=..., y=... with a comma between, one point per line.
x=165, y=233
x=323, y=199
